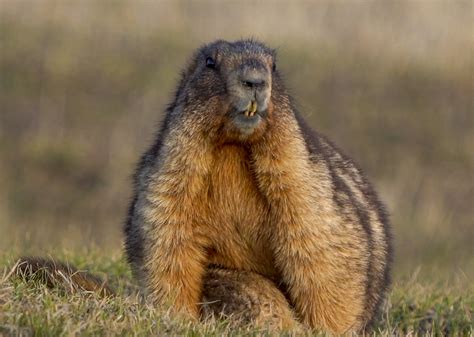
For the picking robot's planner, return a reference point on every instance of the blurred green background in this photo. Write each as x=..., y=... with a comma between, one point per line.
x=83, y=85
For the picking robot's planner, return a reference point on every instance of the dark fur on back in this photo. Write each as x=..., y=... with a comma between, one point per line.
x=319, y=145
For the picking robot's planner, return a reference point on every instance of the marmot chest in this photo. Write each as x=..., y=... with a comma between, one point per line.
x=238, y=217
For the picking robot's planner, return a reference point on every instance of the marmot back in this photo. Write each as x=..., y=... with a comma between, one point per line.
x=237, y=181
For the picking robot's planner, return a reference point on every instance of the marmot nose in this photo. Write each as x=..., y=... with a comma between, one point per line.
x=254, y=77
x=253, y=82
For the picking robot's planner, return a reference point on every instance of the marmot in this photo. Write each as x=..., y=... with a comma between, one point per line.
x=237, y=182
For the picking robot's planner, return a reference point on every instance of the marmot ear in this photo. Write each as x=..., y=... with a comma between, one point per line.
x=210, y=63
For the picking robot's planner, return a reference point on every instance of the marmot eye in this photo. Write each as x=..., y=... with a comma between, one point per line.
x=274, y=66
x=210, y=63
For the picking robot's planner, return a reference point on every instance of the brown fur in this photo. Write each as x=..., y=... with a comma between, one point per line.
x=279, y=201
x=246, y=298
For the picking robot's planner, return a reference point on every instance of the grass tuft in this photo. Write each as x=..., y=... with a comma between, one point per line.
x=31, y=308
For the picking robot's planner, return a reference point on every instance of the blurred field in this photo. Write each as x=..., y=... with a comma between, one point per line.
x=83, y=85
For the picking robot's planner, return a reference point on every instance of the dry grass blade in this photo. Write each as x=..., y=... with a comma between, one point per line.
x=61, y=275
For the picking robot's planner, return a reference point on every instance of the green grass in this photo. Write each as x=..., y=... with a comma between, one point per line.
x=33, y=309
x=83, y=85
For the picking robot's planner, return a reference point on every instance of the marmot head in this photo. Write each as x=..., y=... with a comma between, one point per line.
x=232, y=83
